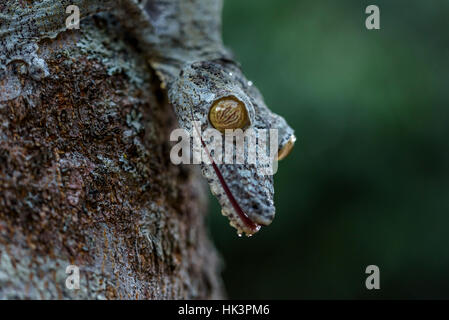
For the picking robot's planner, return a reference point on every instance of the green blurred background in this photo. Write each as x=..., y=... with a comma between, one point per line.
x=367, y=182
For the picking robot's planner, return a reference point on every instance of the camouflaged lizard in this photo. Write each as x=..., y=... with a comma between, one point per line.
x=182, y=42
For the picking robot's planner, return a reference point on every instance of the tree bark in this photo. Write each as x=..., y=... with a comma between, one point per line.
x=86, y=178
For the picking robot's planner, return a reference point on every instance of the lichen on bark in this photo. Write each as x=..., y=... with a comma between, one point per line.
x=86, y=180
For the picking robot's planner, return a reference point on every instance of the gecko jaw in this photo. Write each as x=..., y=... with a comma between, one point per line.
x=250, y=226
x=247, y=225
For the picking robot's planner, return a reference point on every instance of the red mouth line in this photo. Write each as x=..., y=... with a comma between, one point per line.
x=243, y=216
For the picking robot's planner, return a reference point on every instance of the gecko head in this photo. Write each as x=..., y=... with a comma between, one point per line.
x=215, y=101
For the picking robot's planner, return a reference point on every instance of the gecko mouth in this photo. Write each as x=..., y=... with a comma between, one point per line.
x=248, y=223
x=254, y=227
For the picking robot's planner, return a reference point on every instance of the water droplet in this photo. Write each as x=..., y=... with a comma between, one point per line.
x=239, y=234
x=250, y=83
x=230, y=73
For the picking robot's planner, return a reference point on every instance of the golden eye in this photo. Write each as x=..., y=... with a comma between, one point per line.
x=228, y=113
x=287, y=148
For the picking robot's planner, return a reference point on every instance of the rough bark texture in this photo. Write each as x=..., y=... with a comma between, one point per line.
x=86, y=180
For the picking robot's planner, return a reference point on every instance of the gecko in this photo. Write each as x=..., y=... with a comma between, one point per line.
x=182, y=42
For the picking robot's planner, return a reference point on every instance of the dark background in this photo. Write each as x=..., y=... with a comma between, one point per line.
x=367, y=182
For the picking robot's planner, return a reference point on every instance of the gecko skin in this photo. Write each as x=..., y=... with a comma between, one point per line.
x=182, y=42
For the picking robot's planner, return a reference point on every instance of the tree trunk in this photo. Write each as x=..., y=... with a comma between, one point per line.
x=86, y=179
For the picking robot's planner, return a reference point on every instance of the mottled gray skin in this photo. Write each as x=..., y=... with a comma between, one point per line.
x=198, y=71
x=199, y=85
x=182, y=42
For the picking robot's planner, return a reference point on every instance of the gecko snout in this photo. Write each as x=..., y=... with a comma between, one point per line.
x=260, y=209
